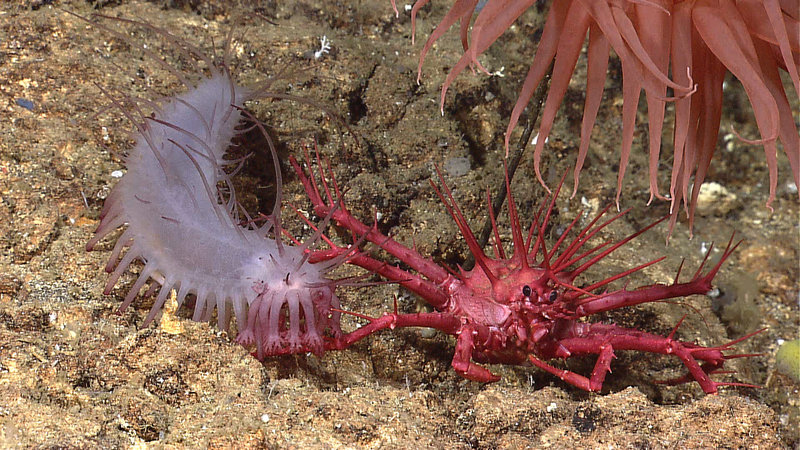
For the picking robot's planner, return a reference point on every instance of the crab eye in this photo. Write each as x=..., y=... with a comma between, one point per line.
x=553, y=296
x=526, y=290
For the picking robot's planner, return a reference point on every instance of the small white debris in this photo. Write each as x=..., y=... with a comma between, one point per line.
x=703, y=248
x=117, y=174
x=324, y=47
x=551, y=407
x=591, y=206
x=536, y=139
x=729, y=139
x=499, y=73
x=715, y=199
x=407, y=7
x=265, y=418
x=457, y=166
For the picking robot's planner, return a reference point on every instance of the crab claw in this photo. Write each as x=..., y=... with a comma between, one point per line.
x=474, y=372
x=462, y=360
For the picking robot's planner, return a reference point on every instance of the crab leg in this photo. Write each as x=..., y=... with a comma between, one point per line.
x=428, y=268
x=601, y=367
x=410, y=281
x=699, y=285
x=603, y=339
x=446, y=323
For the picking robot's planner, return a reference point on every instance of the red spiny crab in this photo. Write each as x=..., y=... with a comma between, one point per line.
x=521, y=308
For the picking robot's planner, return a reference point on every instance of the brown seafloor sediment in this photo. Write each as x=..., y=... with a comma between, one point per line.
x=74, y=373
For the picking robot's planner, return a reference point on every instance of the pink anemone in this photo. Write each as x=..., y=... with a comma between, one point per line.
x=698, y=41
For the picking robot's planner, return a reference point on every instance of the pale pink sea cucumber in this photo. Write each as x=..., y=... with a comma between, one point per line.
x=187, y=231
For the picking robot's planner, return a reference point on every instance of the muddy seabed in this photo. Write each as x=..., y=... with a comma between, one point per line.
x=75, y=373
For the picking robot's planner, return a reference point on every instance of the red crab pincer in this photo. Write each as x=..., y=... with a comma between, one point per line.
x=523, y=308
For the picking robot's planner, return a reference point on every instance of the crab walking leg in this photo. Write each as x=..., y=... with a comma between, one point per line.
x=446, y=323
x=699, y=285
x=431, y=270
x=603, y=339
x=410, y=281
x=601, y=367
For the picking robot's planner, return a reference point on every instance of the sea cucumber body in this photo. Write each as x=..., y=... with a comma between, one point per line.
x=185, y=231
